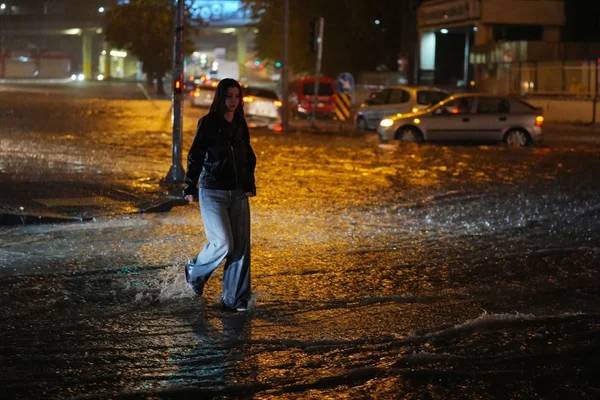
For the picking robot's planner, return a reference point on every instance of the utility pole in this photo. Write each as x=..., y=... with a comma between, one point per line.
x=176, y=174
x=285, y=106
x=320, y=27
x=595, y=98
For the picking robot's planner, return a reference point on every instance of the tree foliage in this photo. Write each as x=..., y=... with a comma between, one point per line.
x=360, y=35
x=146, y=29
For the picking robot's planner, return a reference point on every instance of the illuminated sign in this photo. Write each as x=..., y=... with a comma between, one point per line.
x=221, y=12
x=448, y=11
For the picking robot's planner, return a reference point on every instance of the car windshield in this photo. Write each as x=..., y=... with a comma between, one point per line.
x=521, y=106
x=260, y=92
x=325, y=89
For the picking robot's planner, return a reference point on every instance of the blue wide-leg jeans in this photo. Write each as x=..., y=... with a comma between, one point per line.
x=226, y=217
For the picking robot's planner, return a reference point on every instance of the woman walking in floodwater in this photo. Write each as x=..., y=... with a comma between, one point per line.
x=220, y=172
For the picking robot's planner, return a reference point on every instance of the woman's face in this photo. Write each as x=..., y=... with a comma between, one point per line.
x=232, y=99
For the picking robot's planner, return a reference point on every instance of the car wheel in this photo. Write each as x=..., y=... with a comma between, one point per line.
x=516, y=138
x=361, y=125
x=409, y=134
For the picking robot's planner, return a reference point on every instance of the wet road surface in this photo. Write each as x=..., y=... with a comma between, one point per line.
x=411, y=271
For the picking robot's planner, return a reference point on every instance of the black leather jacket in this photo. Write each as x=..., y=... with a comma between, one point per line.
x=221, y=156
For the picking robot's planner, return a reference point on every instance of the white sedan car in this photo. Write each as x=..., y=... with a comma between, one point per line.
x=202, y=95
x=262, y=107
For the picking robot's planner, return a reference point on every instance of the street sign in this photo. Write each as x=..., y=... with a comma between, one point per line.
x=345, y=82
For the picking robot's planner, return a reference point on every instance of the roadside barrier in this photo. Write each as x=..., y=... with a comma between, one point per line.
x=343, y=105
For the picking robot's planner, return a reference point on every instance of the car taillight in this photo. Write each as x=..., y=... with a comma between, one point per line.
x=539, y=120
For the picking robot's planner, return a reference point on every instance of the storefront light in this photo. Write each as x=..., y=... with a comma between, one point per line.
x=118, y=53
x=73, y=31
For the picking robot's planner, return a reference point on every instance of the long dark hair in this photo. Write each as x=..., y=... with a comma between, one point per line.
x=218, y=104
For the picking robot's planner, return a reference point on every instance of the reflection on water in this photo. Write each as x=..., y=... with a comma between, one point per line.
x=379, y=272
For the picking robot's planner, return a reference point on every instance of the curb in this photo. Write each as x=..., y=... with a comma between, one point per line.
x=9, y=219
x=43, y=217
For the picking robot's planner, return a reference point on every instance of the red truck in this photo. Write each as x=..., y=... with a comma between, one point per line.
x=302, y=97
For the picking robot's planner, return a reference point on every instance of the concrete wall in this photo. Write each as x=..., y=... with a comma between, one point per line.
x=566, y=110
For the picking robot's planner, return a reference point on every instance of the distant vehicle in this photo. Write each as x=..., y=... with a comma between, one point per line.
x=302, y=96
x=468, y=117
x=262, y=107
x=202, y=94
x=396, y=99
x=193, y=81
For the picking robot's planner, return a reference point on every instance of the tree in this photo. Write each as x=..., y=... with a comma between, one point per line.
x=145, y=28
x=360, y=35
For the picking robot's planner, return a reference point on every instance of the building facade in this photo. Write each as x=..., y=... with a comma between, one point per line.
x=463, y=42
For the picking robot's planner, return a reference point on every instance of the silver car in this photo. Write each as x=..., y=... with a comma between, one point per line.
x=396, y=99
x=468, y=117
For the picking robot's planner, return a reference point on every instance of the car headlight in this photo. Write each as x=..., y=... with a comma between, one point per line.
x=386, y=123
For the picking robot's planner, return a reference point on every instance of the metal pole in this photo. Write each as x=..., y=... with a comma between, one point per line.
x=595, y=93
x=320, y=29
x=285, y=106
x=467, y=51
x=176, y=174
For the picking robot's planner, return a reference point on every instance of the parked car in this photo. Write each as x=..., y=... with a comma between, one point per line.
x=468, y=117
x=396, y=99
x=262, y=107
x=202, y=95
x=302, y=97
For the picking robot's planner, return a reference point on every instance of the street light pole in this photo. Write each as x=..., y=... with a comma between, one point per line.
x=319, y=34
x=285, y=106
x=176, y=173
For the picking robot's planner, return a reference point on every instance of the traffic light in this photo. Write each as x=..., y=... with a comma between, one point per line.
x=278, y=64
x=314, y=34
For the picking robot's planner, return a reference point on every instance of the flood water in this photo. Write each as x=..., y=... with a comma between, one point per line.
x=394, y=272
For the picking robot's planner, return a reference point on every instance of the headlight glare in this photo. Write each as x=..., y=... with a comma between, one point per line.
x=386, y=123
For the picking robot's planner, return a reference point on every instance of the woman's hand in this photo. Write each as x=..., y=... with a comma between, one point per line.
x=189, y=198
x=249, y=194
